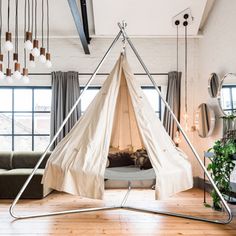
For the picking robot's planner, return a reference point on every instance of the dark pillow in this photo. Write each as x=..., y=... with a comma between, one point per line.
x=119, y=159
x=28, y=159
x=141, y=159
x=5, y=160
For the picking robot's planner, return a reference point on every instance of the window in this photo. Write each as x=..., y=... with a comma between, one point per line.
x=24, y=118
x=149, y=91
x=228, y=99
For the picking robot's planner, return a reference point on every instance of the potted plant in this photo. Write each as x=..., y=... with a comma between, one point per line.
x=220, y=167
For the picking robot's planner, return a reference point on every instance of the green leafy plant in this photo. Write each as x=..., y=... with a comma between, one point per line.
x=221, y=167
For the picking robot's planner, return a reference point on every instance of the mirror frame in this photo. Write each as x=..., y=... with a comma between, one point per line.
x=211, y=121
x=219, y=91
x=209, y=85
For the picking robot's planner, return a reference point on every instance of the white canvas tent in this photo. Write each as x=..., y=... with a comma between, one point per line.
x=119, y=117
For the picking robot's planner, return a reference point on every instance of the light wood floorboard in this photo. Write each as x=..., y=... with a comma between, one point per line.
x=115, y=222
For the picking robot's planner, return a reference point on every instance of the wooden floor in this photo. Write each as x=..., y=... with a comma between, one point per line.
x=115, y=222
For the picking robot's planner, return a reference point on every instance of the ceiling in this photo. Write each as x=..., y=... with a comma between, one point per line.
x=144, y=18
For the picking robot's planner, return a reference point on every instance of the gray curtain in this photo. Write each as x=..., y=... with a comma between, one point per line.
x=65, y=92
x=173, y=97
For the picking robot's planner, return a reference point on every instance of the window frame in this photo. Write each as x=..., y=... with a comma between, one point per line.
x=33, y=112
x=159, y=111
x=232, y=109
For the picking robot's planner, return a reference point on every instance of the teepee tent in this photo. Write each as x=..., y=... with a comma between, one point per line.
x=120, y=118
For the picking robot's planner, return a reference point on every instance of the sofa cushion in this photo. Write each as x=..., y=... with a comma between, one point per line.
x=23, y=171
x=28, y=159
x=6, y=160
x=12, y=181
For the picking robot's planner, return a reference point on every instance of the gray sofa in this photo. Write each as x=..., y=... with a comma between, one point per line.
x=15, y=167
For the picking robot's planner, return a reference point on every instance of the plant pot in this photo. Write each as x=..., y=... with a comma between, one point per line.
x=228, y=124
x=234, y=156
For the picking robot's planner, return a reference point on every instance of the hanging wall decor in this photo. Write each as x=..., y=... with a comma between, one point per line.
x=31, y=42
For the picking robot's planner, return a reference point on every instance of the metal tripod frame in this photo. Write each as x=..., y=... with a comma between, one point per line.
x=122, y=205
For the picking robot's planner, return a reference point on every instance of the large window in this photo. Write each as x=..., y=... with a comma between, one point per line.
x=24, y=118
x=228, y=99
x=149, y=91
x=25, y=115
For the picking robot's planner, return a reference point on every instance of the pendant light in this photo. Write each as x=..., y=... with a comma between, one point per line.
x=28, y=34
x=8, y=43
x=48, y=55
x=42, y=57
x=177, y=138
x=16, y=74
x=1, y=55
x=25, y=77
x=35, y=50
x=185, y=24
x=31, y=57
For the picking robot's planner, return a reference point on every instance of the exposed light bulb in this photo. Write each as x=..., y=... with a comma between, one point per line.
x=32, y=64
x=17, y=75
x=1, y=75
x=42, y=58
x=28, y=45
x=35, y=52
x=177, y=138
x=9, y=79
x=25, y=79
x=48, y=64
x=48, y=60
x=8, y=45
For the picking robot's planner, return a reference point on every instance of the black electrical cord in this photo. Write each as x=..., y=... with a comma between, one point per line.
x=8, y=16
x=1, y=27
x=32, y=23
x=25, y=63
x=8, y=29
x=47, y=26
x=28, y=16
x=42, y=23
x=16, y=28
x=186, y=66
x=35, y=14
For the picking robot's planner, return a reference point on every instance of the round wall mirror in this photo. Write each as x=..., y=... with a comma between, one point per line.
x=213, y=85
x=227, y=94
x=204, y=120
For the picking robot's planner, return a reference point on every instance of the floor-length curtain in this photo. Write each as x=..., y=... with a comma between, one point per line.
x=65, y=92
x=173, y=97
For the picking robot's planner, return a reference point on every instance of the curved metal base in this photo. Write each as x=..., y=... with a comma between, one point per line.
x=121, y=206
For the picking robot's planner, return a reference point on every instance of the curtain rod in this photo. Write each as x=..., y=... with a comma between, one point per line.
x=100, y=74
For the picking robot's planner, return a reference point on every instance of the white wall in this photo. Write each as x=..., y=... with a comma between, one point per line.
x=216, y=54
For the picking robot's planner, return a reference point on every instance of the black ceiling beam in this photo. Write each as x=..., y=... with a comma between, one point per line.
x=85, y=19
x=79, y=26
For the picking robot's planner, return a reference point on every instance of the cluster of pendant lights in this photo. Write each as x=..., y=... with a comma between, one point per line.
x=33, y=47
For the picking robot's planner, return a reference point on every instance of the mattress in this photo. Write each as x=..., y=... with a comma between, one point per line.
x=129, y=173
